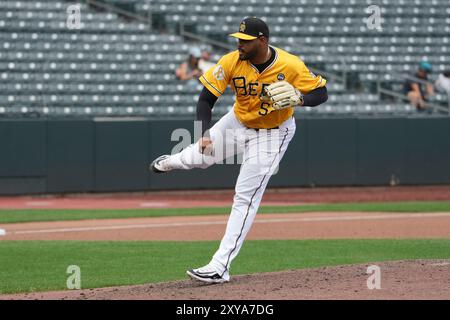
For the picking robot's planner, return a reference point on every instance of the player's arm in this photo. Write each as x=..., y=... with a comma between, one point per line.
x=205, y=104
x=305, y=89
x=285, y=95
x=315, y=97
x=215, y=81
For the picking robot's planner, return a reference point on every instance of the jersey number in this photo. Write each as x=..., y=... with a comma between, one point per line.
x=263, y=109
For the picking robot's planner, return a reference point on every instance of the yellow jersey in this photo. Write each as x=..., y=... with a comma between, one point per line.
x=249, y=84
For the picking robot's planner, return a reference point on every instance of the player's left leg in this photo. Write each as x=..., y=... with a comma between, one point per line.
x=264, y=150
x=224, y=135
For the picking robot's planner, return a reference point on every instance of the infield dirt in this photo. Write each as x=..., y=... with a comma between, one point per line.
x=422, y=279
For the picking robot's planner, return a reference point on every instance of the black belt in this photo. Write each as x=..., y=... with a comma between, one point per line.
x=257, y=129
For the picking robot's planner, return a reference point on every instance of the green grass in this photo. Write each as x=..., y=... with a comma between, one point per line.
x=13, y=216
x=41, y=265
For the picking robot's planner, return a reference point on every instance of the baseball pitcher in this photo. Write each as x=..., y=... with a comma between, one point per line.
x=268, y=83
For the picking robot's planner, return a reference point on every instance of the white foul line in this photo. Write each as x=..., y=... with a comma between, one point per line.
x=38, y=203
x=153, y=204
x=207, y=223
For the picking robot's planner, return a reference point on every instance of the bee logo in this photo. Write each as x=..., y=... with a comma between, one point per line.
x=242, y=27
x=219, y=73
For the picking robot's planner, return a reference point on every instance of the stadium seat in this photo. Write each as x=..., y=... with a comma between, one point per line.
x=123, y=64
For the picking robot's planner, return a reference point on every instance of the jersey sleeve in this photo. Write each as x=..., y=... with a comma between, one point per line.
x=305, y=80
x=217, y=78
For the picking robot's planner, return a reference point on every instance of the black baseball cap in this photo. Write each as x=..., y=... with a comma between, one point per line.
x=251, y=28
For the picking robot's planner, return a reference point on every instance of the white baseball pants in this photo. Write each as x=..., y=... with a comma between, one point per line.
x=259, y=152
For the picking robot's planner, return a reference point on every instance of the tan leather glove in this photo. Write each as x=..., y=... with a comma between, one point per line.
x=284, y=95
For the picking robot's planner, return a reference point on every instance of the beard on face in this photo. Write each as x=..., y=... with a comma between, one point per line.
x=247, y=55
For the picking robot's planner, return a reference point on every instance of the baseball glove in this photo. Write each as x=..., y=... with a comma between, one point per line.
x=283, y=95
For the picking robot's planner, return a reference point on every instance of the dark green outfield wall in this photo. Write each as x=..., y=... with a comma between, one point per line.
x=53, y=156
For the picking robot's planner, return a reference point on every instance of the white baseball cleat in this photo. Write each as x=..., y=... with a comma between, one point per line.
x=208, y=274
x=159, y=165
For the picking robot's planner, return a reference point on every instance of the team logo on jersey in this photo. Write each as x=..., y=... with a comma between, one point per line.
x=242, y=27
x=280, y=77
x=219, y=73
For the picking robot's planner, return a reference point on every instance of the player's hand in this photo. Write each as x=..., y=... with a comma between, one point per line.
x=284, y=95
x=205, y=146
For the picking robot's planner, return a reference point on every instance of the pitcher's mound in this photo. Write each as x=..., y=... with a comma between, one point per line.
x=418, y=279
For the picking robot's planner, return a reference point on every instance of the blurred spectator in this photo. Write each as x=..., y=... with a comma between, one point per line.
x=417, y=91
x=189, y=70
x=205, y=62
x=443, y=82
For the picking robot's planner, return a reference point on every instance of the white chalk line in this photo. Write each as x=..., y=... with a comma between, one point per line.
x=38, y=203
x=222, y=222
x=146, y=204
x=442, y=264
x=153, y=204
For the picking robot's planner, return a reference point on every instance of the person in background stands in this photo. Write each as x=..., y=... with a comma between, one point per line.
x=189, y=70
x=418, y=92
x=443, y=82
x=205, y=61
